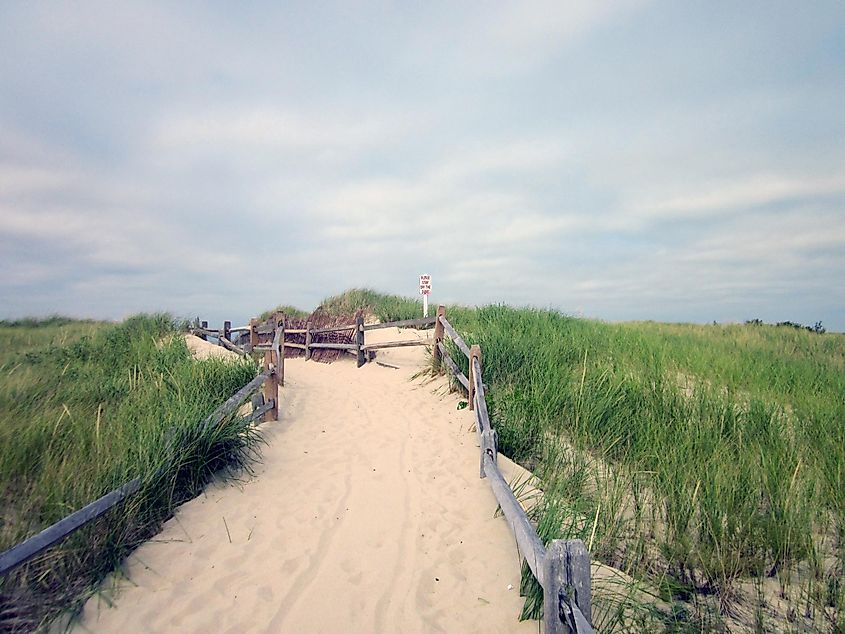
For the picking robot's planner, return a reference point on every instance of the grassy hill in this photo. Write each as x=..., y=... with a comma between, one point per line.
x=708, y=461
x=85, y=407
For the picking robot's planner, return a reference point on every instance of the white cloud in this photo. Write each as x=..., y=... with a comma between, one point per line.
x=737, y=196
x=529, y=152
x=509, y=37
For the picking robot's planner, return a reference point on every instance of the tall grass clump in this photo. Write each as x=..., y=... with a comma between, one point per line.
x=705, y=463
x=84, y=409
x=385, y=307
x=287, y=309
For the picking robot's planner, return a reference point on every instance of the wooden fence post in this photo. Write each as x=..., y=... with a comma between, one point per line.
x=253, y=334
x=281, y=352
x=271, y=385
x=227, y=330
x=307, y=341
x=474, y=353
x=489, y=447
x=566, y=568
x=359, y=339
x=438, y=336
x=204, y=326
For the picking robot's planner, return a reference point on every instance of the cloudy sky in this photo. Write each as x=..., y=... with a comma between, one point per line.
x=630, y=160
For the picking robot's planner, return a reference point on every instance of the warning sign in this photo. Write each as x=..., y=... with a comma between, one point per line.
x=425, y=284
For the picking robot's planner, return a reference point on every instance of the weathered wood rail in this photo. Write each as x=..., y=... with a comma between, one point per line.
x=561, y=567
x=31, y=547
x=257, y=332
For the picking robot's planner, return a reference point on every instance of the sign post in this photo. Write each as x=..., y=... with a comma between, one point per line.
x=425, y=291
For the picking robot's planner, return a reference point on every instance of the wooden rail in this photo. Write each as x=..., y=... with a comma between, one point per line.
x=561, y=567
x=230, y=345
x=360, y=348
x=396, y=344
x=454, y=336
x=26, y=550
x=456, y=371
x=258, y=332
x=52, y=535
x=405, y=323
x=319, y=331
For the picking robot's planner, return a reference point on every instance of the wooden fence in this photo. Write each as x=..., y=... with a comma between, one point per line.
x=267, y=337
x=562, y=567
x=52, y=535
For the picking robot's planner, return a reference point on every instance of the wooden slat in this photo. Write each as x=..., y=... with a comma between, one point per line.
x=395, y=344
x=335, y=346
x=529, y=543
x=204, y=332
x=279, y=354
x=253, y=336
x=359, y=340
x=308, y=338
x=454, y=336
x=51, y=535
x=566, y=591
x=259, y=411
x=233, y=402
x=333, y=329
x=444, y=356
x=229, y=345
x=271, y=385
x=239, y=329
x=405, y=323
x=291, y=344
x=296, y=331
x=438, y=336
x=480, y=402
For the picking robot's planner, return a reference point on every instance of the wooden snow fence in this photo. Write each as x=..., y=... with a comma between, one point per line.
x=562, y=567
x=322, y=337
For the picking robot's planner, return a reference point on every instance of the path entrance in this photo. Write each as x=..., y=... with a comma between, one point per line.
x=366, y=515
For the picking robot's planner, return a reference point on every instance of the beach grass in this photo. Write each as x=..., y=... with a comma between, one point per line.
x=706, y=462
x=84, y=408
x=287, y=309
x=385, y=307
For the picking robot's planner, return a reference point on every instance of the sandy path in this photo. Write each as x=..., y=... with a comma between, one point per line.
x=366, y=515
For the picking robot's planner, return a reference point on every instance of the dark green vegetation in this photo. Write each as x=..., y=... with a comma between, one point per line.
x=290, y=311
x=385, y=307
x=85, y=407
x=708, y=462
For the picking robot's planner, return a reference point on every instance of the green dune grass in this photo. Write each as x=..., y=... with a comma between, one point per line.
x=85, y=407
x=706, y=461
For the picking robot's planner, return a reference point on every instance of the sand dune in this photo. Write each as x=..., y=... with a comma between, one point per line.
x=366, y=515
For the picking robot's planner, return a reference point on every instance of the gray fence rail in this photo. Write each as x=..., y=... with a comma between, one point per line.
x=561, y=567
x=52, y=535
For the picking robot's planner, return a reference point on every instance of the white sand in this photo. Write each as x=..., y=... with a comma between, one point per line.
x=367, y=515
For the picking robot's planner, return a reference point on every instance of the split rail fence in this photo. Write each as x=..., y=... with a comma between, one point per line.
x=562, y=567
x=28, y=549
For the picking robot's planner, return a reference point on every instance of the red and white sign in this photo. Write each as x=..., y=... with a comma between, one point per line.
x=425, y=284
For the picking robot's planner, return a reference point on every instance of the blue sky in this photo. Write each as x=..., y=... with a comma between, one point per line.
x=673, y=161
